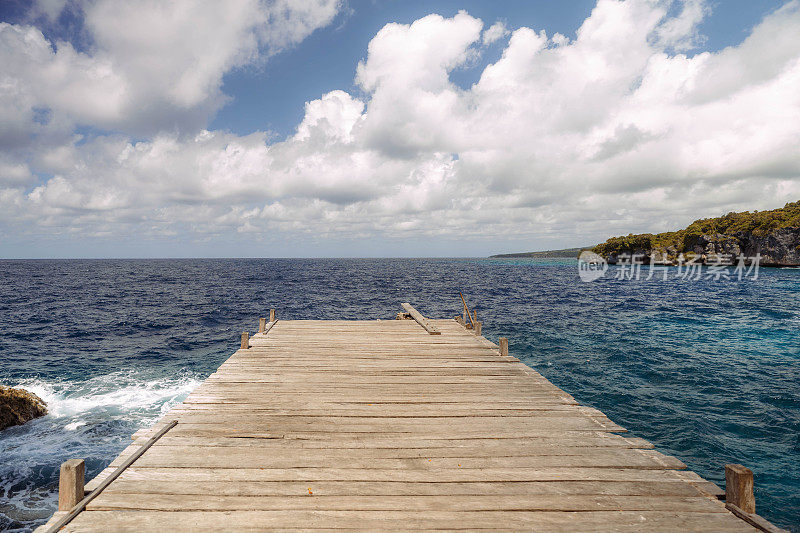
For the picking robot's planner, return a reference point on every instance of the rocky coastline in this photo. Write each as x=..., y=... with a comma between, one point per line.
x=778, y=249
x=18, y=406
x=772, y=236
x=546, y=254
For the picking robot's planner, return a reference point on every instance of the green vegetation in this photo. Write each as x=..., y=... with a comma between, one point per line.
x=758, y=223
x=567, y=252
x=747, y=230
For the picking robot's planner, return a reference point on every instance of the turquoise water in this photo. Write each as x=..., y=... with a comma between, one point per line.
x=707, y=370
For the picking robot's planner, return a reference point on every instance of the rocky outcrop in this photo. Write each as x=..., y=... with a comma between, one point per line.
x=773, y=235
x=779, y=248
x=18, y=406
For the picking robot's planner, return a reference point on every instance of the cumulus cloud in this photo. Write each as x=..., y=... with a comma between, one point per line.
x=331, y=118
x=413, y=106
x=151, y=65
x=559, y=140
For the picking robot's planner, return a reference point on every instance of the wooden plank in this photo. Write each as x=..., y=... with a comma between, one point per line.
x=431, y=475
x=668, y=521
x=394, y=488
x=754, y=520
x=379, y=425
x=314, y=501
x=421, y=320
x=385, y=420
x=418, y=475
x=466, y=429
x=394, y=459
x=390, y=411
x=554, y=441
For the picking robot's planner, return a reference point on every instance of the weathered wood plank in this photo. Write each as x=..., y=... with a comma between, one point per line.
x=136, y=521
x=433, y=475
x=314, y=501
x=418, y=475
x=555, y=442
x=235, y=457
x=379, y=425
x=393, y=488
x=421, y=320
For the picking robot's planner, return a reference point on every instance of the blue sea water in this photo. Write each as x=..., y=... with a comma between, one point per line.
x=709, y=371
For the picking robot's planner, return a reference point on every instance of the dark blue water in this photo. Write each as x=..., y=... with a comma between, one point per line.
x=709, y=371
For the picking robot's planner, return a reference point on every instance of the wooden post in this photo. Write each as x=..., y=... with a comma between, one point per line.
x=70, y=484
x=245, y=340
x=478, y=325
x=503, y=346
x=272, y=315
x=474, y=315
x=262, y=325
x=464, y=316
x=739, y=488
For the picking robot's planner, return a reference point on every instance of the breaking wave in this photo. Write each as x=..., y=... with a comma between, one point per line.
x=91, y=420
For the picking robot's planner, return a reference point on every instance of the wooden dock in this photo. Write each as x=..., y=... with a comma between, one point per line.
x=385, y=424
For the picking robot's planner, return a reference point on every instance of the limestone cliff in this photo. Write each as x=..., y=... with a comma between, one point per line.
x=775, y=235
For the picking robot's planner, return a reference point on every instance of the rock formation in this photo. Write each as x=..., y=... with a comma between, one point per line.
x=775, y=235
x=17, y=406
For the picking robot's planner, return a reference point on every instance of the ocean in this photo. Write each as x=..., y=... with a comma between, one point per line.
x=708, y=370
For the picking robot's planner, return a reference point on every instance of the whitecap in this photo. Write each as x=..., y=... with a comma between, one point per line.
x=90, y=419
x=119, y=393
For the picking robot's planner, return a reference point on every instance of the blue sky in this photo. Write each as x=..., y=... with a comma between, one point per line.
x=273, y=96
x=387, y=128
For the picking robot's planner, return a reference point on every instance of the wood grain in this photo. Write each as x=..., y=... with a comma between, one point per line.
x=383, y=425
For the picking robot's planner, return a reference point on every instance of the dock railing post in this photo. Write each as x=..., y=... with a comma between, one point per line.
x=245, y=340
x=739, y=488
x=272, y=315
x=70, y=483
x=503, y=346
x=262, y=325
x=478, y=325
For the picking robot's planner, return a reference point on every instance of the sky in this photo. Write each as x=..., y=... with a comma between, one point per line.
x=358, y=128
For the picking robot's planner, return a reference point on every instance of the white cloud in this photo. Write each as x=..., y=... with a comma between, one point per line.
x=418, y=55
x=681, y=32
x=407, y=73
x=152, y=65
x=331, y=118
x=13, y=173
x=495, y=32
x=559, y=140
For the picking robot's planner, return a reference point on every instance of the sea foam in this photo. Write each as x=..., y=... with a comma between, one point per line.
x=91, y=419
